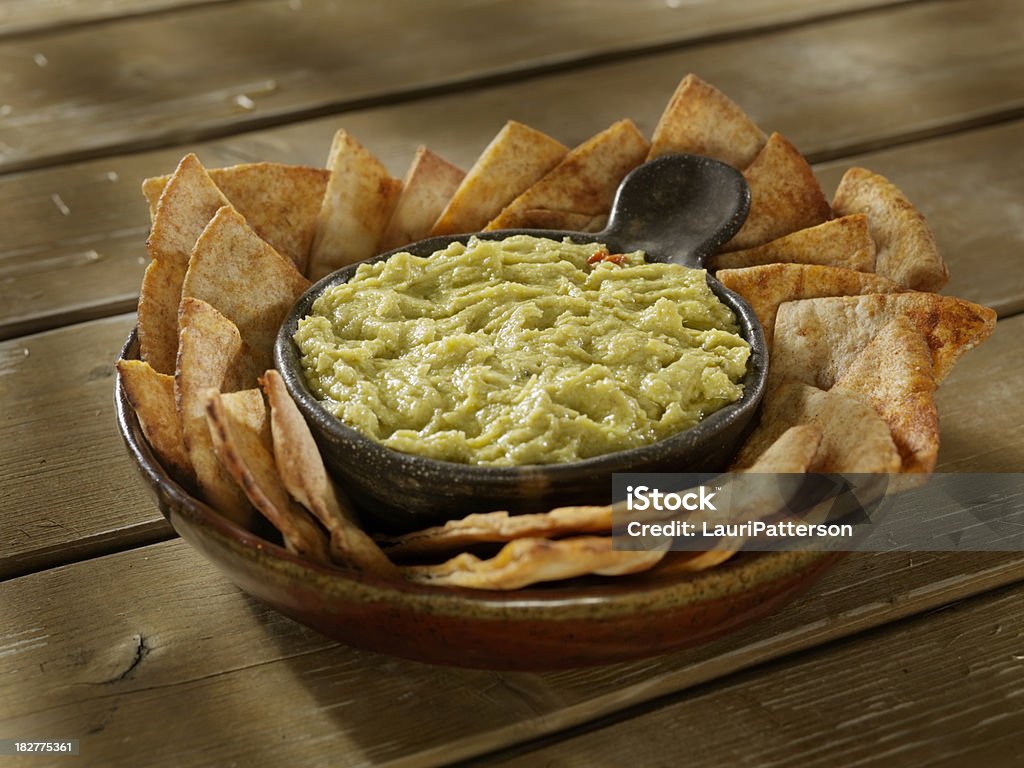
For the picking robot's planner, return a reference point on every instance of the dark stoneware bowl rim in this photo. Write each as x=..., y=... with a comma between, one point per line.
x=286, y=360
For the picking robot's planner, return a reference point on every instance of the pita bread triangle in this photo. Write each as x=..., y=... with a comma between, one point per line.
x=428, y=185
x=514, y=160
x=186, y=206
x=584, y=182
x=784, y=196
x=907, y=253
x=701, y=120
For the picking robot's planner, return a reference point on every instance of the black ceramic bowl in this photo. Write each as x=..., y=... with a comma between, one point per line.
x=678, y=208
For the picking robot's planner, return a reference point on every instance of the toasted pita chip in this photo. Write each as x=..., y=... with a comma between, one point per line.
x=359, y=200
x=244, y=279
x=428, y=185
x=280, y=202
x=844, y=242
x=241, y=437
x=151, y=394
x=792, y=452
x=907, y=252
x=768, y=286
x=701, y=120
x=586, y=179
x=528, y=561
x=540, y=219
x=784, y=196
x=514, y=160
x=209, y=345
x=854, y=438
x=500, y=527
x=894, y=373
x=152, y=188
x=302, y=471
x=816, y=339
x=186, y=206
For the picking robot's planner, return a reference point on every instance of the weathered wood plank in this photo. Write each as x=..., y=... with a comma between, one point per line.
x=943, y=689
x=90, y=217
x=18, y=17
x=215, y=70
x=157, y=630
x=69, y=490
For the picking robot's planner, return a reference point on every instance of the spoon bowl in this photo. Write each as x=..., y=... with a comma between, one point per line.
x=677, y=209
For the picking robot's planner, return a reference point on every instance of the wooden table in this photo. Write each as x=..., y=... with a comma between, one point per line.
x=112, y=631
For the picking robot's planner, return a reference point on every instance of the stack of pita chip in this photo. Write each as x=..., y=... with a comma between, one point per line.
x=859, y=343
x=227, y=248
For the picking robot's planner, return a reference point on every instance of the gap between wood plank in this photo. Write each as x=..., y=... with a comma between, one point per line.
x=454, y=86
x=101, y=545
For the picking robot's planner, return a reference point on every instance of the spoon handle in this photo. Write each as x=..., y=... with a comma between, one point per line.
x=678, y=208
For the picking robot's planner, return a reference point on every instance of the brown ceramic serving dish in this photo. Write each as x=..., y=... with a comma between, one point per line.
x=579, y=623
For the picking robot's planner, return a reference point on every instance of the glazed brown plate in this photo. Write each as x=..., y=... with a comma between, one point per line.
x=580, y=623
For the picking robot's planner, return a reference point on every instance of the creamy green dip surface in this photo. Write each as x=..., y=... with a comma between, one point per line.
x=521, y=351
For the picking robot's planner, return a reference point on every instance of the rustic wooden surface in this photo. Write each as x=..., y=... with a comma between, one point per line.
x=105, y=669
x=213, y=69
x=21, y=17
x=113, y=634
x=917, y=692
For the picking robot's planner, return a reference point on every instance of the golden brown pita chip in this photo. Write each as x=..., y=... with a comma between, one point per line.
x=784, y=196
x=894, y=373
x=844, y=242
x=514, y=160
x=702, y=120
x=907, y=252
x=151, y=394
x=854, y=438
x=500, y=527
x=428, y=185
x=244, y=279
x=241, y=437
x=586, y=179
x=792, y=452
x=356, y=207
x=152, y=188
x=280, y=202
x=209, y=345
x=759, y=497
x=302, y=472
x=541, y=219
x=528, y=561
x=186, y=206
x=816, y=339
x=768, y=286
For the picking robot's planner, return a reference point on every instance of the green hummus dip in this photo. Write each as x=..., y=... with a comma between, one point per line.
x=521, y=351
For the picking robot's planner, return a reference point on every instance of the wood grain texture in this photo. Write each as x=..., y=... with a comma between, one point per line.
x=214, y=70
x=940, y=690
x=19, y=17
x=72, y=247
x=152, y=647
x=69, y=489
